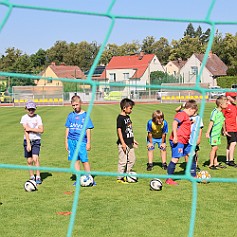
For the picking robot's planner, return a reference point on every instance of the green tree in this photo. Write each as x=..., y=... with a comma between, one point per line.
x=190, y=31
x=148, y=45
x=110, y=51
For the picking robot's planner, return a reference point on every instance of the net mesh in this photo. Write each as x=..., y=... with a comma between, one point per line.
x=94, y=84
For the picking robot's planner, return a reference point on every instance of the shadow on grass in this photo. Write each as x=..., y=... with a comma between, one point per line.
x=45, y=175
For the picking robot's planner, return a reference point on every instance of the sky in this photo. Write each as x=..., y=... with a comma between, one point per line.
x=29, y=29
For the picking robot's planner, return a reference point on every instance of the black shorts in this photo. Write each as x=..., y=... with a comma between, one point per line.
x=35, y=148
x=233, y=137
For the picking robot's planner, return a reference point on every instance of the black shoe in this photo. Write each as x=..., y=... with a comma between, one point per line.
x=231, y=163
x=198, y=168
x=213, y=167
x=164, y=166
x=149, y=166
x=221, y=166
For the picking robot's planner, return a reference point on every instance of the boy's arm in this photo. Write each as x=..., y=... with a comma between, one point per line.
x=40, y=129
x=199, y=136
x=174, y=130
x=163, y=144
x=120, y=136
x=209, y=129
x=66, y=135
x=28, y=145
x=88, y=144
x=149, y=138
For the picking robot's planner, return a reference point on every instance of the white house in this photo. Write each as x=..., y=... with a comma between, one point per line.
x=130, y=70
x=214, y=68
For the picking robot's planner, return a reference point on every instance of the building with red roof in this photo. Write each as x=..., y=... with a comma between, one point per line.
x=130, y=70
x=59, y=71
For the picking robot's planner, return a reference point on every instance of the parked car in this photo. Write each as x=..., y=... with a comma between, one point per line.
x=215, y=91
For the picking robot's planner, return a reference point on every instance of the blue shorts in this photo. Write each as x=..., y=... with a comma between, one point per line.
x=155, y=141
x=35, y=148
x=82, y=153
x=179, y=150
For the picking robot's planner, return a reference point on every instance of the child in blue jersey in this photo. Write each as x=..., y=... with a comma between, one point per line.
x=74, y=125
x=157, y=128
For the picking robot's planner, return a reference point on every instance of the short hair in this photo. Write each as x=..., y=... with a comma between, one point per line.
x=191, y=104
x=220, y=100
x=126, y=102
x=157, y=114
x=76, y=98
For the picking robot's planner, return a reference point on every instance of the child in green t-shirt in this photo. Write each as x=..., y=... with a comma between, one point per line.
x=214, y=131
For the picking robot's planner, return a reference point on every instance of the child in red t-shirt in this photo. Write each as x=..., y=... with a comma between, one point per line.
x=179, y=138
x=230, y=114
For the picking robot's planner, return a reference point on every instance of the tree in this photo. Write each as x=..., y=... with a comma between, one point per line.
x=57, y=52
x=110, y=51
x=129, y=48
x=190, y=31
x=148, y=45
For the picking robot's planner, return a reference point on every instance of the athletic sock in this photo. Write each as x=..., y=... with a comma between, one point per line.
x=171, y=167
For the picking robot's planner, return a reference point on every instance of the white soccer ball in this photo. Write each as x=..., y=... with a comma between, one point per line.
x=203, y=176
x=86, y=180
x=131, y=177
x=156, y=185
x=30, y=186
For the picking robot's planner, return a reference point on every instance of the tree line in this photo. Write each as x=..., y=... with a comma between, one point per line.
x=82, y=54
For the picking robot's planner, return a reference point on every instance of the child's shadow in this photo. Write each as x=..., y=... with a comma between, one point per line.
x=219, y=158
x=157, y=164
x=45, y=175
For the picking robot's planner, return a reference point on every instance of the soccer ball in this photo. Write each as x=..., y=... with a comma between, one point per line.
x=156, y=185
x=30, y=186
x=203, y=176
x=131, y=177
x=86, y=180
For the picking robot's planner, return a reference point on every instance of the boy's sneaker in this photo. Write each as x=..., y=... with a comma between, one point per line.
x=232, y=163
x=149, y=166
x=32, y=178
x=220, y=166
x=198, y=168
x=213, y=167
x=38, y=181
x=75, y=183
x=122, y=181
x=171, y=182
x=164, y=166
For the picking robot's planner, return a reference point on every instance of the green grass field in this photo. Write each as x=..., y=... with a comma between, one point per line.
x=108, y=209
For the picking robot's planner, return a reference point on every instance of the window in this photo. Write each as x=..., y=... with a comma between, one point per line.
x=126, y=76
x=194, y=70
x=112, y=77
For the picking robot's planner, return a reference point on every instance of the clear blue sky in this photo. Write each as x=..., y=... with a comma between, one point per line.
x=30, y=30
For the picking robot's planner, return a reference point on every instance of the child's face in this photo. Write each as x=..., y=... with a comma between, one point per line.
x=223, y=104
x=159, y=120
x=191, y=112
x=31, y=112
x=76, y=105
x=127, y=110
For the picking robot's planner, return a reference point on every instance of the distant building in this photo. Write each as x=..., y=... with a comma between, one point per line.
x=173, y=67
x=213, y=69
x=130, y=70
x=59, y=71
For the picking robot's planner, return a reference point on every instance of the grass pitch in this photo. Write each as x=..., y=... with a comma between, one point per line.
x=108, y=209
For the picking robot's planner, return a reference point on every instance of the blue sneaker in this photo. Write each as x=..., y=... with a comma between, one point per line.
x=74, y=184
x=38, y=181
x=94, y=183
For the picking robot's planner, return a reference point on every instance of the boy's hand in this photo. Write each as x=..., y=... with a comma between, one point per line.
x=175, y=140
x=163, y=146
x=226, y=134
x=135, y=144
x=207, y=135
x=28, y=147
x=88, y=146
